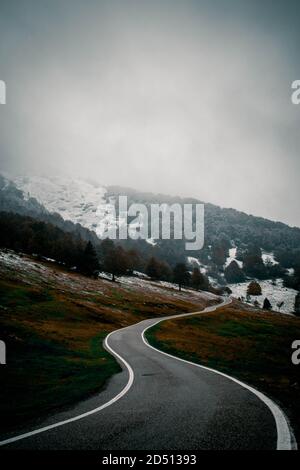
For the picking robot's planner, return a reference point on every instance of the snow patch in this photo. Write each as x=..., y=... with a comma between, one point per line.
x=268, y=257
x=151, y=241
x=274, y=291
x=195, y=263
x=232, y=257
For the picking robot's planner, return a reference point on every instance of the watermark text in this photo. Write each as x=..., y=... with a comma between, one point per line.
x=296, y=93
x=2, y=92
x=2, y=352
x=296, y=353
x=157, y=221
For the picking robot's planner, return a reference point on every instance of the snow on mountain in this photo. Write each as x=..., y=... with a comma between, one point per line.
x=273, y=290
x=4, y=182
x=195, y=263
x=232, y=257
x=268, y=258
x=151, y=241
x=86, y=203
x=77, y=200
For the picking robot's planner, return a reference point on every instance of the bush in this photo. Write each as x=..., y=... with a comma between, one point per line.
x=254, y=288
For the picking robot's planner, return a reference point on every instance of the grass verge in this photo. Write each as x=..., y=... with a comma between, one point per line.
x=53, y=323
x=252, y=346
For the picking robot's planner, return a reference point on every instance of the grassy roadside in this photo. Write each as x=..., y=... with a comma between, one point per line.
x=54, y=353
x=54, y=323
x=252, y=346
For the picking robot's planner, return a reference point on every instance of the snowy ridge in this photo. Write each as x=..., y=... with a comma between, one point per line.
x=74, y=199
x=79, y=201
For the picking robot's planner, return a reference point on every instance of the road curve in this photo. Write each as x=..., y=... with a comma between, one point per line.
x=159, y=402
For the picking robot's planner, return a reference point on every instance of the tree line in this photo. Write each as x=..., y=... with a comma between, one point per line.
x=28, y=235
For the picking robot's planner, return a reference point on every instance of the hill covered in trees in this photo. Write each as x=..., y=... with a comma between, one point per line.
x=224, y=226
x=34, y=237
x=224, y=229
x=14, y=200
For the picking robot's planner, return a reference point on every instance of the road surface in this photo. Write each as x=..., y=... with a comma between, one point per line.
x=161, y=403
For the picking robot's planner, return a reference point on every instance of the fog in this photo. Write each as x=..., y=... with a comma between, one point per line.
x=189, y=98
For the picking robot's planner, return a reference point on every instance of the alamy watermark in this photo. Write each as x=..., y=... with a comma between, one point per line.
x=2, y=92
x=157, y=221
x=296, y=353
x=295, y=97
x=2, y=352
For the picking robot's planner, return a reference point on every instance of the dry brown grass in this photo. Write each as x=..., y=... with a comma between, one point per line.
x=254, y=346
x=54, y=323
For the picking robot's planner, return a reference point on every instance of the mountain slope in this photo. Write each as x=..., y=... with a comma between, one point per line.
x=13, y=199
x=74, y=199
x=92, y=205
x=53, y=323
x=95, y=207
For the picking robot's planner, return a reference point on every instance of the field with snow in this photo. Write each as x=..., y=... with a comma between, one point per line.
x=30, y=271
x=274, y=292
x=86, y=203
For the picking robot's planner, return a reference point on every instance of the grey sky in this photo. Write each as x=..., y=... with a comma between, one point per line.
x=181, y=97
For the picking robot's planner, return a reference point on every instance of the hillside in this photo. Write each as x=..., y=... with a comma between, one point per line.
x=91, y=205
x=225, y=224
x=238, y=247
x=16, y=201
x=54, y=322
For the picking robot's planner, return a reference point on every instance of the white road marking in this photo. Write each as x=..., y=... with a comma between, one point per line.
x=95, y=410
x=88, y=413
x=284, y=440
x=285, y=436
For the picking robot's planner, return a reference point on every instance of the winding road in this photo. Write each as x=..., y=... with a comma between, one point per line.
x=160, y=402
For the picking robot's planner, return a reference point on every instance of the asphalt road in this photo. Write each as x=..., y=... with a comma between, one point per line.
x=162, y=404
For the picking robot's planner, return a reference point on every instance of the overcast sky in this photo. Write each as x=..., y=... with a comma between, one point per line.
x=185, y=97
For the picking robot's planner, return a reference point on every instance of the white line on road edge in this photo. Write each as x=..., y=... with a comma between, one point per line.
x=95, y=410
x=284, y=440
x=285, y=437
x=88, y=413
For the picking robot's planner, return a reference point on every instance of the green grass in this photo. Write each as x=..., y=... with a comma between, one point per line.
x=54, y=326
x=53, y=375
x=254, y=347
x=55, y=355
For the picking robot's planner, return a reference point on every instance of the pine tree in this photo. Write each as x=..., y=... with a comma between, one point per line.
x=267, y=304
x=135, y=262
x=152, y=268
x=218, y=253
x=181, y=275
x=89, y=263
x=253, y=264
x=106, y=246
x=157, y=269
x=116, y=261
x=198, y=280
x=165, y=273
x=233, y=273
